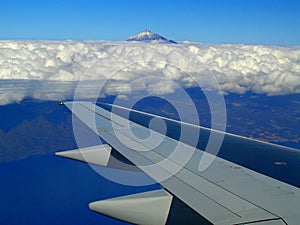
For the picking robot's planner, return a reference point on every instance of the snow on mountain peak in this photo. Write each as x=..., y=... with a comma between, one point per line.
x=149, y=36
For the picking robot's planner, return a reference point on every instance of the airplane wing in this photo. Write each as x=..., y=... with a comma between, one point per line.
x=224, y=193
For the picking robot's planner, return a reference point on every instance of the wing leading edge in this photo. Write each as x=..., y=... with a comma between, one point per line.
x=225, y=193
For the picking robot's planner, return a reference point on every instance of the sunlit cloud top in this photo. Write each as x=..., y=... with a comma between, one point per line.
x=238, y=68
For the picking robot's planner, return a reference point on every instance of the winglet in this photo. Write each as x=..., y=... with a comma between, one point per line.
x=98, y=155
x=144, y=208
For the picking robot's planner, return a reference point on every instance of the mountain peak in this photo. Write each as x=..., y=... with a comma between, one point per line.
x=149, y=36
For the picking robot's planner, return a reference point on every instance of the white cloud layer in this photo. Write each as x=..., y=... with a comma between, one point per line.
x=238, y=68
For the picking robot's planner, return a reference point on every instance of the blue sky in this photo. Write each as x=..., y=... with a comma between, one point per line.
x=225, y=21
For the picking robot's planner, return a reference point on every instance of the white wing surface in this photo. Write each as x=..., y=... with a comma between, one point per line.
x=225, y=193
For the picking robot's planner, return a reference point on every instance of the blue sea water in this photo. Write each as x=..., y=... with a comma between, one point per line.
x=51, y=190
x=37, y=187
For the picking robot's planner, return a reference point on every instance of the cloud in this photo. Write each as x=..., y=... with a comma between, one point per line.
x=161, y=88
x=268, y=70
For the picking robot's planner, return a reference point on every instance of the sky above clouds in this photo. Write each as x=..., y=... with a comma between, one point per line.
x=234, y=21
x=271, y=67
